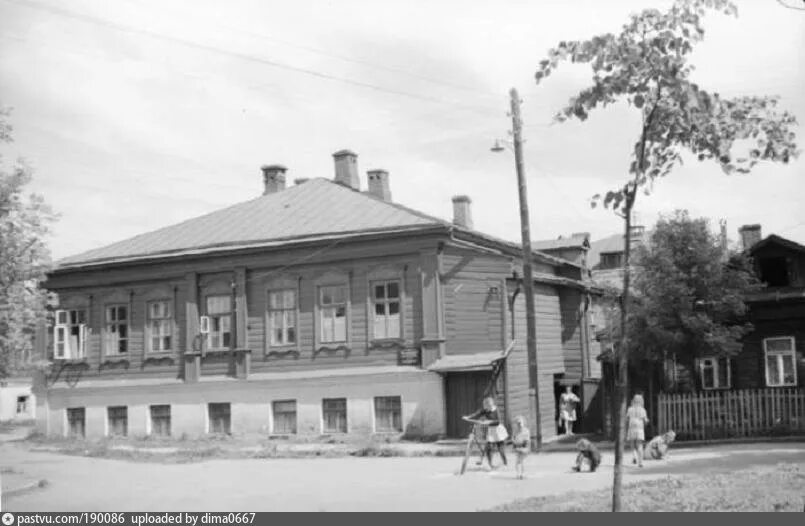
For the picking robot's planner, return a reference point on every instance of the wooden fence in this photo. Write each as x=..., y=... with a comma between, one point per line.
x=731, y=414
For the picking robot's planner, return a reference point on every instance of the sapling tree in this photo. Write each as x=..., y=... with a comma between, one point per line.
x=647, y=65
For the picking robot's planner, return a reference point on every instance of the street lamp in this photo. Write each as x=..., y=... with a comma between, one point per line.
x=528, y=274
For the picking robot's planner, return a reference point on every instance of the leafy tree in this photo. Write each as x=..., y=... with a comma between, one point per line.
x=647, y=66
x=24, y=258
x=689, y=293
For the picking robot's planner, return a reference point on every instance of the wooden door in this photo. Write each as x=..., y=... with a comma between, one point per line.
x=465, y=393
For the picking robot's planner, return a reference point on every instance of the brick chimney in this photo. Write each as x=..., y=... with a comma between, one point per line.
x=750, y=234
x=462, y=214
x=379, y=184
x=346, y=169
x=273, y=178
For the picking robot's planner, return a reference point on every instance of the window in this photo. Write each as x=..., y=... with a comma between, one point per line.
x=388, y=414
x=22, y=405
x=334, y=415
x=282, y=317
x=774, y=272
x=220, y=418
x=715, y=373
x=386, y=300
x=160, y=325
x=117, y=329
x=75, y=422
x=333, y=312
x=118, y=420
x=70, y=334
x=781, y=369
x=160, y=420
x=284, y=412
x=219, y=309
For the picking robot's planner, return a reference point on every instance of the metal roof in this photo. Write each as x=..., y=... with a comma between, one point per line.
x=315, y=209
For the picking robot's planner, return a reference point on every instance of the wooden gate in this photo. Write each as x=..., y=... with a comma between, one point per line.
x=465, y=393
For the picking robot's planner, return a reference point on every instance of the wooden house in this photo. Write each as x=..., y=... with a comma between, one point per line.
x=316, y=309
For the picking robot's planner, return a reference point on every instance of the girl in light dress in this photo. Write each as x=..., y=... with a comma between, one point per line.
x=496, y=433
x=636, y=419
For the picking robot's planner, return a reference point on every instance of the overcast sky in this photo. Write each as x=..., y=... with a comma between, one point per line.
x=136, y=114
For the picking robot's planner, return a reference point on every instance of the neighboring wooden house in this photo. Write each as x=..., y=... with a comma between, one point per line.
x=773, y=353
x=314, y=309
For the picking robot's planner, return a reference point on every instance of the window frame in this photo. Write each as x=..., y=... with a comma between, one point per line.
x=107, y=334
x=393, y=429
x=780, y=361
x=321, y=308
x=386, y=301
x=67, y=326
x=274, y=413
x=125, y=418
x=328, y=431
x=168, y=321
x=231, y=313
x=228, y=421
x=292, y=311
x=715, y=364
x=25, y=400
x=151, y=408
x=68, y=428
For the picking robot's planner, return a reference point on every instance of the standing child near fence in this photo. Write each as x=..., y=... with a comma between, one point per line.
x=636, y=419
x=521, y=439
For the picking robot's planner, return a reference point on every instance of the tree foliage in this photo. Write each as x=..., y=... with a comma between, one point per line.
x=647, y=65
x=689, y=293
x=25, y=222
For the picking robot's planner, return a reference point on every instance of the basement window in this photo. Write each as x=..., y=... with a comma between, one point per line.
x=118, y=420
x=220, y=418
x=334, y=415
x=76, y=419
x=284, y=413
x=388, y=414
x=160, y=420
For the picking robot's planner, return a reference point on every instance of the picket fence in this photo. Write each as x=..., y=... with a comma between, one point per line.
x=732, y=414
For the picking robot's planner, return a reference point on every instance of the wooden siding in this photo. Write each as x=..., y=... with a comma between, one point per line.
x=572, y=334
x=749, y=370
x=136, y=362
x=474, y=300
x=549, y=356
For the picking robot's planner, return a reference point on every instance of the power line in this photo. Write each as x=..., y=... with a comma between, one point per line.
x=232, y=54
x=344, y=58
x=790, y=6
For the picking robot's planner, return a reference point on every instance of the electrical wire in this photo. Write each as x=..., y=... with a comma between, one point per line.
x=232, y=54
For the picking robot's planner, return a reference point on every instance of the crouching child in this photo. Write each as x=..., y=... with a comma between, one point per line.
x=588, y=451
x=658, y=447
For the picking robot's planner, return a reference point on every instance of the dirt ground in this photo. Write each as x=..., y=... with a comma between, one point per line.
x=77, y=483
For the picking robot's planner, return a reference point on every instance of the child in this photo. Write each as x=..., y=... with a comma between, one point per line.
x=587, y=450
x=658, y=447
x=567, y=409
x=637, y=419
x=521, y=439
x=496, y=433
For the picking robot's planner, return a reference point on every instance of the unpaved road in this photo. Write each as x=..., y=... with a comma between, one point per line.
x=336, y=484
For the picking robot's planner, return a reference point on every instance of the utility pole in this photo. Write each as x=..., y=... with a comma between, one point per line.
x=528, y=274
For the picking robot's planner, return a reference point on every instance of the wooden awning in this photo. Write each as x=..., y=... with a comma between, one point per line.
x=481, y=361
